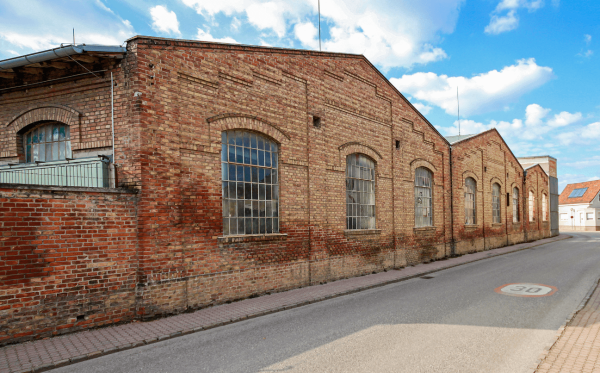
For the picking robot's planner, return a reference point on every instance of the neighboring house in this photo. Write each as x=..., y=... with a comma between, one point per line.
x=579, y=207
x=169, y=175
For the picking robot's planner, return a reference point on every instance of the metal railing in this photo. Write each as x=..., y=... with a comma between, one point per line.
x=85, y=172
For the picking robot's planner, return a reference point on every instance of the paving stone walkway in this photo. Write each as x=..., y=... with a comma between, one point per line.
x=54, y=352
x=578, y=347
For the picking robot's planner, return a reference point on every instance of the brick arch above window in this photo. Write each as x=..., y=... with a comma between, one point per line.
x=470, y=174
x=37, y=114
x=419, y=162
x=358, y=147
x=231, y=121
x=496, y=180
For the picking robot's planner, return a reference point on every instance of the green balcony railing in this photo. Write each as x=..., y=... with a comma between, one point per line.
x=85, y=172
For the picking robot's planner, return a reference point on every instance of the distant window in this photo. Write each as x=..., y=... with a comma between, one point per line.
x=360, y=192
x=577, y=192
x=590, y=216
x=250, y=183
x=423, y=216
x=496, y=203
x=544, y=207
x=470, y=202
x=515, y=205
x=531, y=206
x=566, y=217
x=47, y=142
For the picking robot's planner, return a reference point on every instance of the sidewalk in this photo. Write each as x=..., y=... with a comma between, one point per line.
x=51, y=353
x=577, y=349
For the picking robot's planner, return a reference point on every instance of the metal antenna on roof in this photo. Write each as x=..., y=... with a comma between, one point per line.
x=458, y=114
x=73, y=35
x=319, y=25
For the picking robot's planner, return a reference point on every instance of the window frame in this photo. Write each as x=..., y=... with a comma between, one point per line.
x=425, y=176
x=470, y=211
x=516, y=207
x=360, y=216
x=496, y=204
x=544, y=207
x=246, y=152
x=36, y=150
x=531, y=202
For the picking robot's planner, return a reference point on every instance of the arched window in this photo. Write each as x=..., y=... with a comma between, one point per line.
x=496, y=203
x=423, y=213
x=515, y=205
x=47, y=142
x=249, y=164
x=360, y=192
x=544, y=207
x=470, y=201
x=531, y=206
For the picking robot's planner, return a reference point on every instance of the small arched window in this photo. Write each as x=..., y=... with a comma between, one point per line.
x=496, y=203
x=249, y=164
x=423, y=198
x=470, y=201
x=531, y=206
x=360, y=192
x=47, y=142
x=515, y=205
x=544, y=207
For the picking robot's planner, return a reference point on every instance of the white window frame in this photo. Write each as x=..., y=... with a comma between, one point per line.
x=423, y=197
x=470, y=191
x=360, y=192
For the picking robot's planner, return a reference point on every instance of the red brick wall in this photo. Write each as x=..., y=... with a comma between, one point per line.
x=65, y=254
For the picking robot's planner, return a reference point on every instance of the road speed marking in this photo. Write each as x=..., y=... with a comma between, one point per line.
x=526, y=290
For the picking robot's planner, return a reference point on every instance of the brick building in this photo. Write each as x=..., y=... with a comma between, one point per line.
x=172, y=175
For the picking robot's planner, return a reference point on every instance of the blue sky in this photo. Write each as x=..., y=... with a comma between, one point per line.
x=529, y=68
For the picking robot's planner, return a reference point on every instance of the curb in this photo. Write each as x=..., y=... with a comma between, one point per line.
x=563, y=327
x=112, y=350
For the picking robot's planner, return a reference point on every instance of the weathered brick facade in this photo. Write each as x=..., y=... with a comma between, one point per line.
x=173, y=99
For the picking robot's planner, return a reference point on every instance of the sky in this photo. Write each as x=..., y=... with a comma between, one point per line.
x=529, y=68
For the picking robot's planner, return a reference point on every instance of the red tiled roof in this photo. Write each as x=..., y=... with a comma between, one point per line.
x=590, y=193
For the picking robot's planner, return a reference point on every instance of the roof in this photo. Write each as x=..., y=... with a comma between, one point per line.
x=60, y=52
x=458, y=138
x=299, y=51
x=538, y=156
x=593, y=187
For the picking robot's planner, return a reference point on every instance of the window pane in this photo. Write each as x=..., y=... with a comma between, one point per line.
x=68, y=152
x=54, y=132
x=61, y=147
x=360, y=195
x=61, y=133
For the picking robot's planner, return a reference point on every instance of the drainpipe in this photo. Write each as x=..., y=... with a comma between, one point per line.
x=112, y=121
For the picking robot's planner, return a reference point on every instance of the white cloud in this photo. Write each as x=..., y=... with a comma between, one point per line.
x=509, y=21
x=593, y=161
x=587, y=38
x=500, y=24
x=29, y=26
x=235, y=24
x=482, y=93
x=308, y=34
x=564, y=119
x=164, y=20
x=206, y=36
x=519, y=132
x=424, y=109
x=583, y=135
x=390, y=33
x=586, y=53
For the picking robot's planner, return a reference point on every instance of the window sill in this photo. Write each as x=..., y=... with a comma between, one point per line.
x=361, y=232
x=497, y=224
x=252, y=238
x=424, y=229
x=471, y=227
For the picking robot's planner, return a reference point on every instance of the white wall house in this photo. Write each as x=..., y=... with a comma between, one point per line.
x=579, y=207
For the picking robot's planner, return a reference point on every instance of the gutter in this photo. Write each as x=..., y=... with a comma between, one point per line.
x=59, y=52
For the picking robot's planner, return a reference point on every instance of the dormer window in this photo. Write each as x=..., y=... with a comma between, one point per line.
x=47, y=142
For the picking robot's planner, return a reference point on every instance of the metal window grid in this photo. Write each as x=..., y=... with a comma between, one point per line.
x=515, y=205
x=496, y=203
x=250, y=189
x=423, y=205
x=47, y=142
x=360, y=192
x=531, y=206
x=470, y=201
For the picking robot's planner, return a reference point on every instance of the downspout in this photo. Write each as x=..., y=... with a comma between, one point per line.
x=112, y=121
x=452, y=243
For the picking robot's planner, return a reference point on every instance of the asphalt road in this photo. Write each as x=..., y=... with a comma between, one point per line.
x=454, y=322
